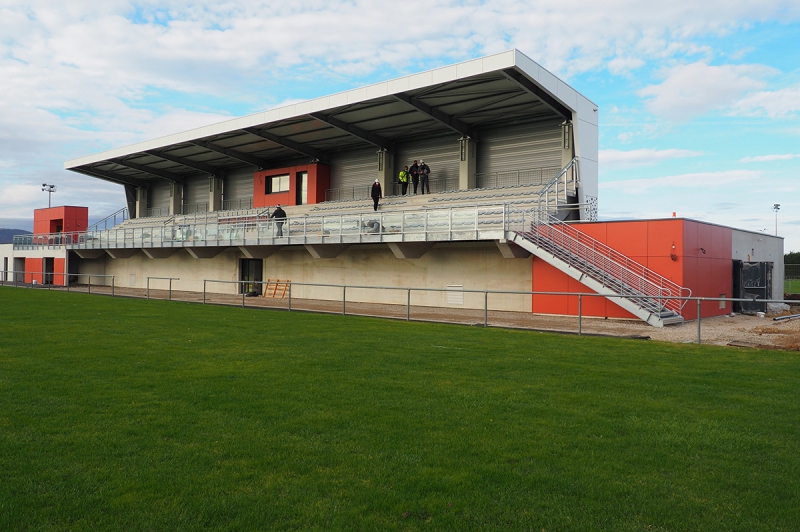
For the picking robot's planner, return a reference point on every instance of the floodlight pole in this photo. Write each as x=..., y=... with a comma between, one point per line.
x=776, y=207
x=49, y=189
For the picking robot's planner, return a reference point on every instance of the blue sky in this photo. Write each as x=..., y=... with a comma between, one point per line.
x=699, y=102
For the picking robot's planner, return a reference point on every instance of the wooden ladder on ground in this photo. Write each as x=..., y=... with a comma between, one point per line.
x=276, y=288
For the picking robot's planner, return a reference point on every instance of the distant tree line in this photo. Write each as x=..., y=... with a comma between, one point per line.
x=793, y=257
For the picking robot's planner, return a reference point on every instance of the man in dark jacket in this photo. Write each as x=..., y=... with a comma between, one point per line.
x=424, y=170
x=376, y=193
x=279, y=215
x=414, y=171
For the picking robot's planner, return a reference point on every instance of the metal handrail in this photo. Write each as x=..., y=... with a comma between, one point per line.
x=605, y=264
x=123, y=212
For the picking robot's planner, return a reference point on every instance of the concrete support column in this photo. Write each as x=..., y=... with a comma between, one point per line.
x=175, y=198
x=386, y=172
x=214, y=194
x=141, y=203
x=467, y=167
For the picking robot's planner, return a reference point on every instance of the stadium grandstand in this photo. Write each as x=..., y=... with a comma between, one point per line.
x=512, y=205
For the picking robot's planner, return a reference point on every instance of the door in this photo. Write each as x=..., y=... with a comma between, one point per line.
x=49, y=269
x=250, y=272
x=302, y=188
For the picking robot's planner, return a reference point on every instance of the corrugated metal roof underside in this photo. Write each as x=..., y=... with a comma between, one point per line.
x=463, y=106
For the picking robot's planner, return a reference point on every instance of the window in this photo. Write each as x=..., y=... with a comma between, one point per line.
x=277, y=183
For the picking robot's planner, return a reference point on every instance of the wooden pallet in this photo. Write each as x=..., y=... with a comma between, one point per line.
x=276, y=288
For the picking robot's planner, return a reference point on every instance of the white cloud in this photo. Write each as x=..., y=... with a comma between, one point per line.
x=697, y=88
x=714, y=180
x=768, y=158
x=641, y=157
x=774, y=104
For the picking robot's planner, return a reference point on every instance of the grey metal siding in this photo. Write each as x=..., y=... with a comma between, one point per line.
x=520, y=147
x=195, y=191
x=357, y=168
x=442, y=154
x=238, y=185
x=159, y=196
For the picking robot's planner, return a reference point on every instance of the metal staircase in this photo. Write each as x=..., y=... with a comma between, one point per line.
x=634, y=287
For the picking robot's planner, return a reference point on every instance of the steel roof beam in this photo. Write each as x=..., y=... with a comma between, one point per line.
x=372, y=138
x=233, y=154
x=299, y=147
x=440, y=116
x=152, y=171
x=537, y=91
x=108, y=176
x=202, y=167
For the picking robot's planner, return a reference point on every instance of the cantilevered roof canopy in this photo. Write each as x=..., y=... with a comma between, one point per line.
x=461, y=99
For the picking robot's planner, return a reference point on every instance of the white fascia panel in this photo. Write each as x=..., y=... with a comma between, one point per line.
x=470, y=68
x=303, y=108
x=586, y=140
x=338, y=100
x=548, y=82
x=587, y=110
x=500, y=61
x=444, y=74
x=321, y=104
x=418, y=81
x=356, y=95
x=567, y=95
x=527, y=65
x=378, y=90
x=398, y=85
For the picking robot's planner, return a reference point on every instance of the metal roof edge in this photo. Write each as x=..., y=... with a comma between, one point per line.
x=512, y=58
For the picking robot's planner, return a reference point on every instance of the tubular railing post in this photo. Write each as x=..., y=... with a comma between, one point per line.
x=169, y=293
x=290, y=296
x=408, y=305
x=485, y=308
x=147, y=290
x=204, y=291
x=698, y=320
x=90, y=284
x=241, y=287
x=580, y=314
x=112, y=285
x=344, y=299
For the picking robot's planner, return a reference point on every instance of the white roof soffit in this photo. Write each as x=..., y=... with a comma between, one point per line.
x=457, y=99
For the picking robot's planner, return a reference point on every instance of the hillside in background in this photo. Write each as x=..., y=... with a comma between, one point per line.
x=6, y=235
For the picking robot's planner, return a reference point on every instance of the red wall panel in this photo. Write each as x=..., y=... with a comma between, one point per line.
x=33, y=270
x=59, y=271
x=652, y=243
x=318, y=183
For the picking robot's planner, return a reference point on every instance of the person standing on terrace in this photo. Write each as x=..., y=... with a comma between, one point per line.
x=279, y=215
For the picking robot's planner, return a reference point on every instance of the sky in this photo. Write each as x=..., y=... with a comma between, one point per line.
x=699, y=102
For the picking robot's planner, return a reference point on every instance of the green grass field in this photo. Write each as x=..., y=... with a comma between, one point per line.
x=122, y=414
x=791, y=286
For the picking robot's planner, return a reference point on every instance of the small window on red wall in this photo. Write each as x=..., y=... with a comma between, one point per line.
x=277, y=183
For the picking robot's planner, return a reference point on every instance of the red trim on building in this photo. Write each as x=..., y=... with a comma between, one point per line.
x=319, y=180
x=692, y=254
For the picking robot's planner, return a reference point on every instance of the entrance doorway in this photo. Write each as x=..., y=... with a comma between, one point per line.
x=302, y=188
x=49, y=269
x=251, y=273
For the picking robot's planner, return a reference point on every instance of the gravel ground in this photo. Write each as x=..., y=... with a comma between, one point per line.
x=736, y=330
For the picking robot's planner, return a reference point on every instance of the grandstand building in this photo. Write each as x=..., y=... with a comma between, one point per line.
x=513, y=153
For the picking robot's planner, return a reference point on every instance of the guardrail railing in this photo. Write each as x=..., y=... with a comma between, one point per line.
x=408, y=304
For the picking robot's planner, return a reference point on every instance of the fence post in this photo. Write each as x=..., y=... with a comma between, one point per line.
x=290, y=296
x=408, y=305
x=698, y=320
x=112, y=285
x=580, y=314
x=204, y=291
x=241, y=287
x=147, y=290
x=485, y=308
x=169, y=294
x=90, y=284
x=344, y=299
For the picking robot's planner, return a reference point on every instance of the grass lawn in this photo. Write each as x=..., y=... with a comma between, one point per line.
x=123, y=414
x=791, y=286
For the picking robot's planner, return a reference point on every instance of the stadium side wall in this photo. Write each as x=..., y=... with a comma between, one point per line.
x=472, y=265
